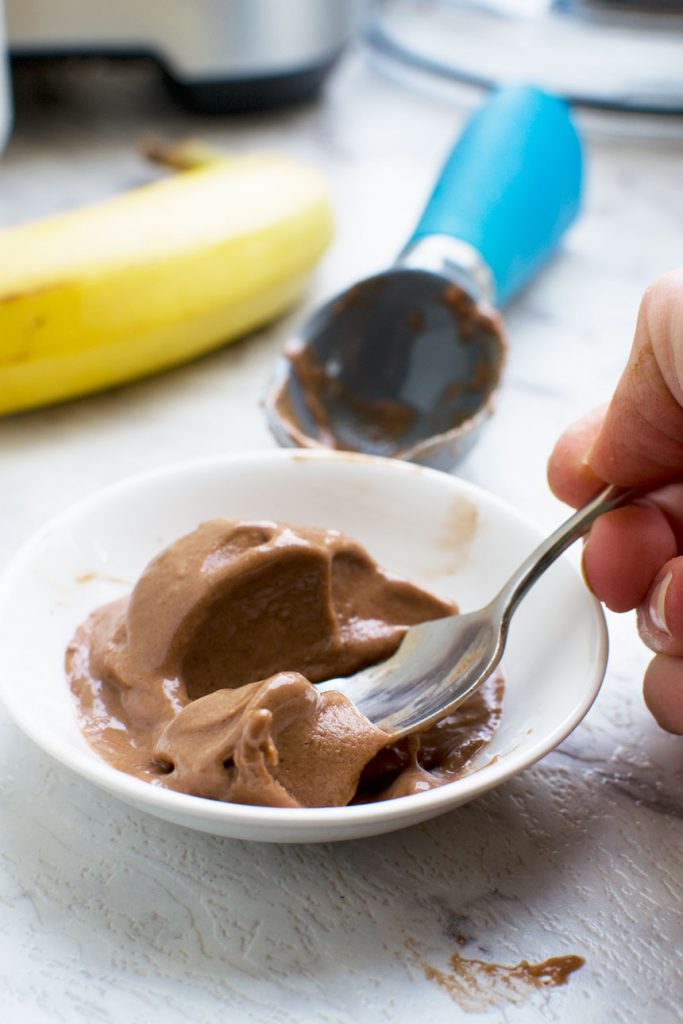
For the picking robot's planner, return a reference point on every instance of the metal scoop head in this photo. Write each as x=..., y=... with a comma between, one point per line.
x=405, y=364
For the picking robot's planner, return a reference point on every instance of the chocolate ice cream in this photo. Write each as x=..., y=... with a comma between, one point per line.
x=202, y=680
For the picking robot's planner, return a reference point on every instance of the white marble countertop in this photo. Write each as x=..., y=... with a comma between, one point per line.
x=110, y=915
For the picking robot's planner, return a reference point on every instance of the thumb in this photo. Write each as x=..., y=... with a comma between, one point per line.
x=641, y=438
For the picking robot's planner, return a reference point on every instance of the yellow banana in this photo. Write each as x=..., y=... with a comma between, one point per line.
x=119, y=289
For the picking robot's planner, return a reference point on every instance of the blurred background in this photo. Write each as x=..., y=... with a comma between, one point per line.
x=238, y=55
x=373, y=92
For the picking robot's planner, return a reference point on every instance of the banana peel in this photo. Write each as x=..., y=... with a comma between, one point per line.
x=120, y=289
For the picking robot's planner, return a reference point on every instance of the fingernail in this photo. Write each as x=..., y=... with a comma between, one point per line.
x=657, y=604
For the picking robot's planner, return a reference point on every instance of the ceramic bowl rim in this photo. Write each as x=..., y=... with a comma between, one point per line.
x=143, y=794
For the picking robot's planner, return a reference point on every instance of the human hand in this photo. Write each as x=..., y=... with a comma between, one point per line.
x=633, y=557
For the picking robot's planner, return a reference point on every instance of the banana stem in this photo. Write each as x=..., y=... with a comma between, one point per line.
x=185, y=155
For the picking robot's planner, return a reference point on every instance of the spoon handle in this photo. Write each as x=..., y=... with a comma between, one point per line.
x=551, y=548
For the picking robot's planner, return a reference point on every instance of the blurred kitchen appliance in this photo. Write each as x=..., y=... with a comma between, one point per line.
x=618, y=54
x=220, y=55
x=5, y=108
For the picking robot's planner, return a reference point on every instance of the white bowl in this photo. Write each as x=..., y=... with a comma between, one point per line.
x=433, y=528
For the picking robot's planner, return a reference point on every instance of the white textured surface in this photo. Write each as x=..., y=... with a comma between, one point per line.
x=109, y=915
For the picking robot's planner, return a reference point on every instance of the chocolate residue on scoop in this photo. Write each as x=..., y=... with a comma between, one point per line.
x=202, y=680
x=385, y=420
x=383, y=387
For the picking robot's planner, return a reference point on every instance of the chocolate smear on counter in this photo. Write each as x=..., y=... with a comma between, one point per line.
x=479, y=985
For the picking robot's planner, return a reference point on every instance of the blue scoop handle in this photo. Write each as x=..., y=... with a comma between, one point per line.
x=511, y=185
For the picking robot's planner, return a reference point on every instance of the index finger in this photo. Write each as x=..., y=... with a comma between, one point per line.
x=570, y=476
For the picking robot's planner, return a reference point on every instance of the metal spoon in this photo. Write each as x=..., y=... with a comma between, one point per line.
x=440, y=663
x=406, y=363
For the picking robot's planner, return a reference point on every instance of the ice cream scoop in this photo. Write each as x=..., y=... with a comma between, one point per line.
x=406, y=363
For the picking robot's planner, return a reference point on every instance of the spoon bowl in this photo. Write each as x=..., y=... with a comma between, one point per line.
x=439, y=664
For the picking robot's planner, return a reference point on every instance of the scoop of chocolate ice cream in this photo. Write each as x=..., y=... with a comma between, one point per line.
x=202, y=680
